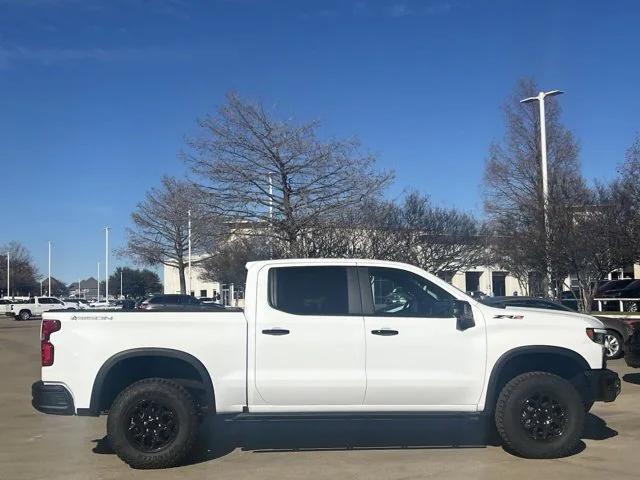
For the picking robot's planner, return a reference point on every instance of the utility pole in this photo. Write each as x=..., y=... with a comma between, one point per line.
x=544, y=178
x=98, y=281
x=49, y=292
x=8, y=273
x=121, y=296
x=189, y=215
x=106, y=264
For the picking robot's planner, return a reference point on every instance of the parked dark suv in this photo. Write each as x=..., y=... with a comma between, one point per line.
x=176, y=302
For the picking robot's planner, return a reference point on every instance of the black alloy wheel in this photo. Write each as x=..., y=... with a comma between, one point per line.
x=544, y=417
x=151, y=426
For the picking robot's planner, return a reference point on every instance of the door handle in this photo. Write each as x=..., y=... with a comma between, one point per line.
x=276, y=331
x=385, y=332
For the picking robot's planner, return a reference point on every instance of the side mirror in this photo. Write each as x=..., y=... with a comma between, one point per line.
x=464, y=315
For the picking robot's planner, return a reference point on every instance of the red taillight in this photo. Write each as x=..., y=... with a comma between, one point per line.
x=46, y=347
x=46, y=353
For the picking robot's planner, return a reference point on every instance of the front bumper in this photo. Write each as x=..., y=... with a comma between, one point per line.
x=54, y=399
x=603, y=385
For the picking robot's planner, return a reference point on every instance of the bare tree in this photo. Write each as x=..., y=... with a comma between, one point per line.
x=24, y=274
x=442, y=241
x=513, y=192
x=258, y=170
x=160, y=227
x=597, y=239
x=226, y=264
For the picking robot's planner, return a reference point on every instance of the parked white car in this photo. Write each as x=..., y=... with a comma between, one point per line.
x=36, y=306
x=76, y=303
x=5, y=306
x=346, y=337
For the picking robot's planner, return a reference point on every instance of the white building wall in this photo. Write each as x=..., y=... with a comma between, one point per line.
x=486, y=281
x=198, y=286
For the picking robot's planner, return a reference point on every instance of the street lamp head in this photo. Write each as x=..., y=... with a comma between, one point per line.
x=553, y=93
x=529, y=100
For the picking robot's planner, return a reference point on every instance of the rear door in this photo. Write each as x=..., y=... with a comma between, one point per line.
x=309, y=338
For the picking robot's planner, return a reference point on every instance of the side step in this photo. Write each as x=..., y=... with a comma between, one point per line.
x=342, y=416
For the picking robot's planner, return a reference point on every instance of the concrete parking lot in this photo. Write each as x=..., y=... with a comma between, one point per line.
x=34, y=446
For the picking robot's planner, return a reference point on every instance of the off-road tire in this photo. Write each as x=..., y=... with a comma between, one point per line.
x=509, y=414
x=165, y=392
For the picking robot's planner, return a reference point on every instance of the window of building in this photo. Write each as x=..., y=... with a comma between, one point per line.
x=203, y=293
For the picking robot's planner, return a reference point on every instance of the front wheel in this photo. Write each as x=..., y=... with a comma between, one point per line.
x=24, y=315
x=612, y=345
x=540, y=415
x=153, y=424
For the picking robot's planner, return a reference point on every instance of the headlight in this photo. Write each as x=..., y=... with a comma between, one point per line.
x=597, y=335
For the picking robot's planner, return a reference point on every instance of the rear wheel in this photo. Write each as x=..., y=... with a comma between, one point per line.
x=540, y=415
x=153, y=424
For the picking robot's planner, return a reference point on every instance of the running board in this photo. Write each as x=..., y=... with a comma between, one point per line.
x=289, y=416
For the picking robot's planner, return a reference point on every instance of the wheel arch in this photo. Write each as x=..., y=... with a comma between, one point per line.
x=561, y=361
x=136, y=355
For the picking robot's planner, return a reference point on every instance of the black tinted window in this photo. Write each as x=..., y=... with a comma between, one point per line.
x=310, y=290
x=405, y=294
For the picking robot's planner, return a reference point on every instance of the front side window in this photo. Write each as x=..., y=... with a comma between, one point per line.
x=404, y=294
x=314, y=290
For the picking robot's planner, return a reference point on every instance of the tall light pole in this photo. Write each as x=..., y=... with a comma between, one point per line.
x=8, y=273
x=106, y=264
x=270, y=211
x=49, y=292
x=98, y=281
x=121, y=296
x=270, y=196
x=545, y=181
x=189, y=215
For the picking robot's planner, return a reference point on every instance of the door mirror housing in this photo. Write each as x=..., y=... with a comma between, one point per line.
x=464, y=315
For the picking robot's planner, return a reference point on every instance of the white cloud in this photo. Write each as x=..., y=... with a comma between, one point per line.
x=10, y=56
x=399, y=10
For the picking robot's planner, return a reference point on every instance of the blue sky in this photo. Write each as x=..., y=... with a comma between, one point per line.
x=96, y=97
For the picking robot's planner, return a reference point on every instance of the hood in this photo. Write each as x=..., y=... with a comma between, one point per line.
x=545, y=316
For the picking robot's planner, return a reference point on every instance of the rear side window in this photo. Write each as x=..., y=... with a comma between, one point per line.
x=314, y=290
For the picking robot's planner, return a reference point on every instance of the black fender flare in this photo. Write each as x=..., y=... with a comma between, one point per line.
x=96, y=391
x=505, y=358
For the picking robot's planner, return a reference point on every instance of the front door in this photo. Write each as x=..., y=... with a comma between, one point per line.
x=309, y=338
x=416, y=357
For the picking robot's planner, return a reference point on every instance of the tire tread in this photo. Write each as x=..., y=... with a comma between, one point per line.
x=171, y=457
x=501, y=410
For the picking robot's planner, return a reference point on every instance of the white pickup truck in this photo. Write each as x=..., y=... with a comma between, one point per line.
x=329, y=337
x=36, y=306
